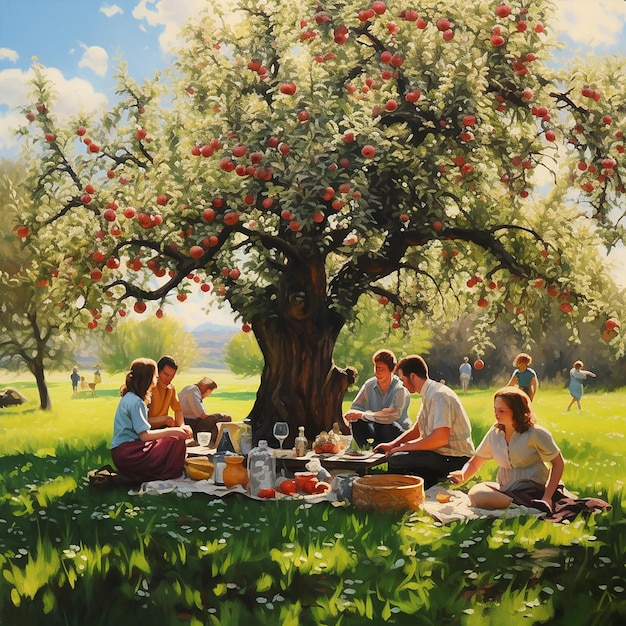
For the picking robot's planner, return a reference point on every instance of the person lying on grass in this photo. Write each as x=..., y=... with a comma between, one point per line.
x=521, y=449
x=140, y=452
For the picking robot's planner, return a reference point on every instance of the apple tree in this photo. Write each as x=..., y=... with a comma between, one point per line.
x=299, y=156
x=31, y=335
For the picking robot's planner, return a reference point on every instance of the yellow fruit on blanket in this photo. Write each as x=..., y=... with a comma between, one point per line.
x=199, y=469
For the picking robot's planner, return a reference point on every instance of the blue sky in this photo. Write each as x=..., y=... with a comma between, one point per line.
x=82, y=41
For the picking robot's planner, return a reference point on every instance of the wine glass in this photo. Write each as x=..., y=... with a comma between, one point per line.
x=281, y=432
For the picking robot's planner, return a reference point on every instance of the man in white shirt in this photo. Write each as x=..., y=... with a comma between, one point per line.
x=190, y=398
x=441, y=439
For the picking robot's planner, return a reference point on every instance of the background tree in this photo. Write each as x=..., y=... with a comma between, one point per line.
x=150, y=338
x=243, y=355
x=372, y=329
x=311, y=154
x=31, y=337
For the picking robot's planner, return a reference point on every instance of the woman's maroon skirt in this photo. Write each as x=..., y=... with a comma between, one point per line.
x=159, y=459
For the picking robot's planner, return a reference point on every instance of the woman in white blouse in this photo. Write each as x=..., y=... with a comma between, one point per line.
x=521, y=449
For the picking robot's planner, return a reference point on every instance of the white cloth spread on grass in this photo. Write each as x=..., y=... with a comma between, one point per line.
x=458, y=509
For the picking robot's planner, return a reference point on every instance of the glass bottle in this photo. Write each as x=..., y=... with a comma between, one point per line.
x=301, y=444
x=245, y=438
x=261, y=468
x=226, y=443
x=219, y=463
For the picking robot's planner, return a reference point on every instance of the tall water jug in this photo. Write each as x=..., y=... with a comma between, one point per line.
x=261, y=468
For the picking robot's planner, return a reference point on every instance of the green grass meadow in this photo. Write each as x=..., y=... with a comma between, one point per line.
x=73, y=556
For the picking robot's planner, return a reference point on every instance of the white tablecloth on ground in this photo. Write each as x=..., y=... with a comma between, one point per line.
x=458, y=509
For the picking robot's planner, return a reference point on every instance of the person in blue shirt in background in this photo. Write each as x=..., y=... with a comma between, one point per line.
x=524, y=376
x=379, y=411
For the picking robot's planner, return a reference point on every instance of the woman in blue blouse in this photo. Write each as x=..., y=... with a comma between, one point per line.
x=139, y=452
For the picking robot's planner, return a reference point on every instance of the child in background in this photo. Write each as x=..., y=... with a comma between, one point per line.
x=577, y=376
x=524, y=376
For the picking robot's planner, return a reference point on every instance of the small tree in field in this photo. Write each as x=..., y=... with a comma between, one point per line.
x=313, y=153
x=150, y=338
x=30, y=334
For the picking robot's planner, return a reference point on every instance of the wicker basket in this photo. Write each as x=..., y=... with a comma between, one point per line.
x=388, y=492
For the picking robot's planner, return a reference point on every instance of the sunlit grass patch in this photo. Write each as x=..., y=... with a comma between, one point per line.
x=111, y=559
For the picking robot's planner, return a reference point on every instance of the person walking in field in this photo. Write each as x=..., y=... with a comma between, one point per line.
x=75, y=378
x=576, y=377
x=465, y=374
x=524, y=377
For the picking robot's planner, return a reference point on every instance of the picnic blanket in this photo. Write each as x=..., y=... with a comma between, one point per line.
x=458, y=508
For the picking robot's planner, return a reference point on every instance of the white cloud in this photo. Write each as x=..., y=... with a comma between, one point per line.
x=95, y=58
x=7, y=53
x=597, y=23
x=111, y=10
x=171, y=15
x=73, y=96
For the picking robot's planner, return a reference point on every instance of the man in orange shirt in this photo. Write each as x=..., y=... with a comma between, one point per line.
x=164, y=396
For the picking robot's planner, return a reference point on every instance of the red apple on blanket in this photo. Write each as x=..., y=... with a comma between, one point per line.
x=266, y=494
x=288, y=487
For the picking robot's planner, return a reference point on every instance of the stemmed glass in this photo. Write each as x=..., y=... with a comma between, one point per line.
x=281, y=432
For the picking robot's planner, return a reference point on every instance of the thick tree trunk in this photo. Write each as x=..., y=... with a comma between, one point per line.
x=300, y=383
x=44, y=395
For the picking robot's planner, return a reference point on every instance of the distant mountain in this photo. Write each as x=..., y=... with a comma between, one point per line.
x=212, y=340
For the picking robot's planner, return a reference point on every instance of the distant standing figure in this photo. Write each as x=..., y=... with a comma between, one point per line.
x=465, y=373
x=75, y=378
x=576, y=376
x=97, y=377
x=524, y=376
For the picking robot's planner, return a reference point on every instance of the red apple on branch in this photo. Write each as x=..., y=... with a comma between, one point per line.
x=368, y=151
x=231, y=218
x=289, y=89
x=503, y=10
x=379, y=7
